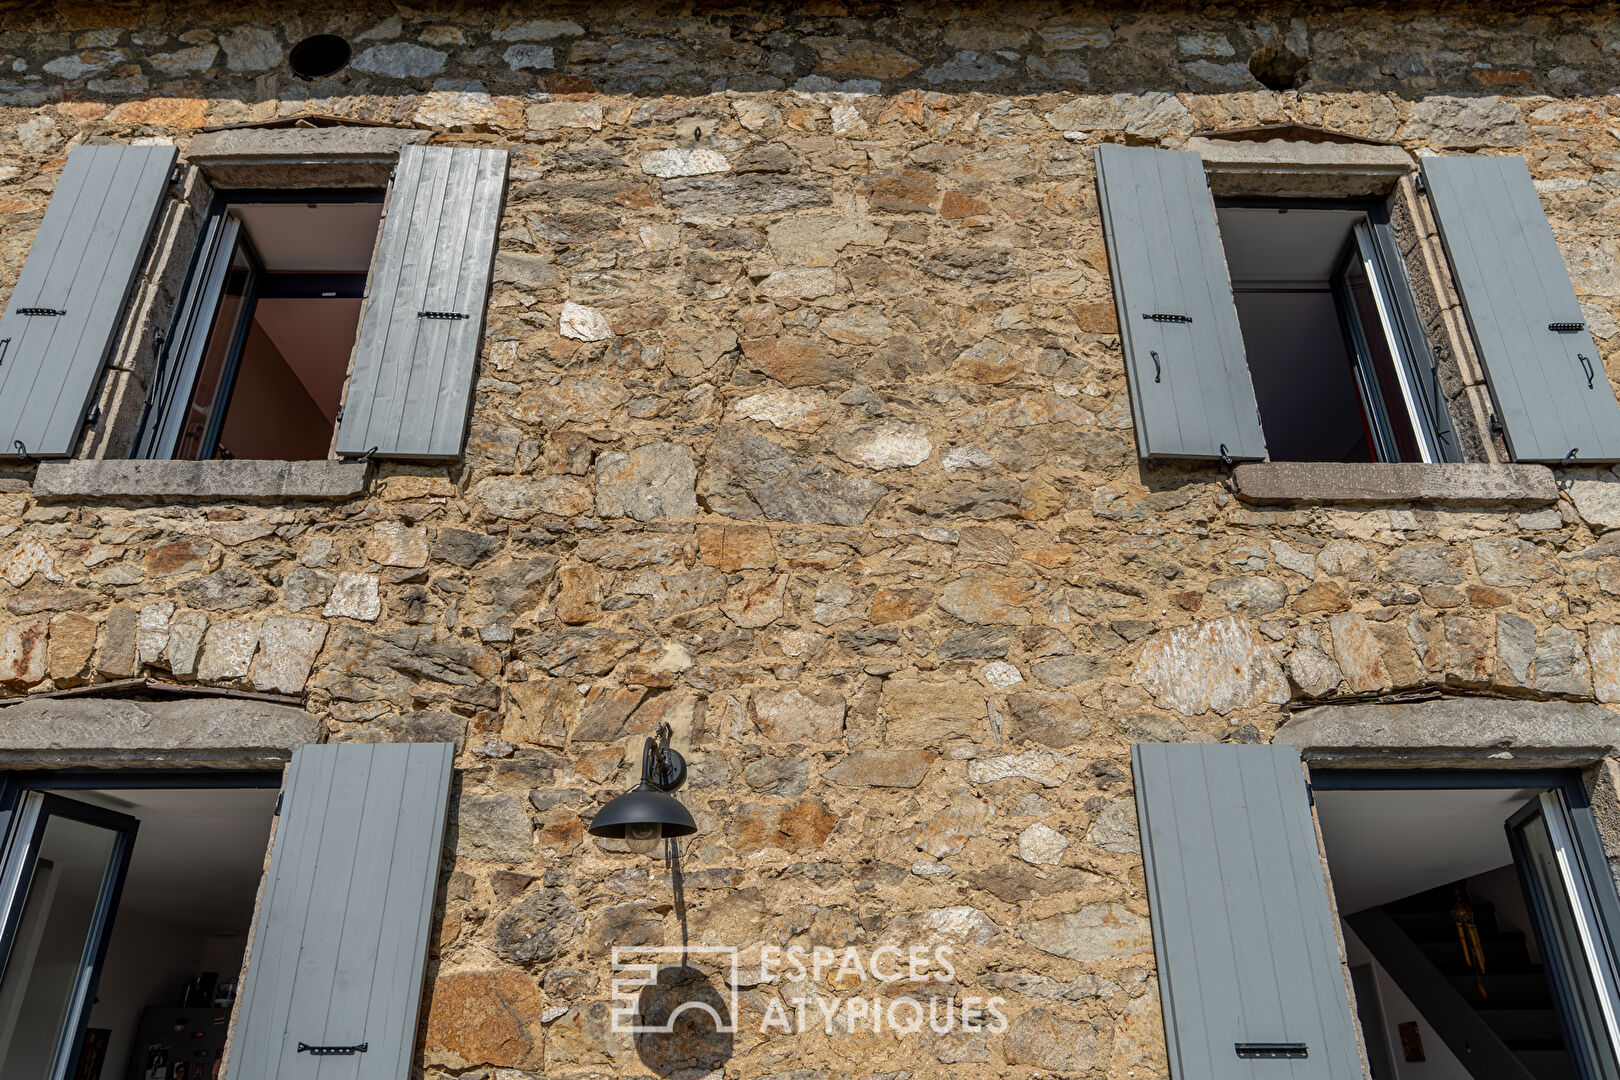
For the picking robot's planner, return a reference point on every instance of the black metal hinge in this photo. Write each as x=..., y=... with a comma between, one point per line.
x=1566, y=327
x=1160, y=316
x=92, y=416
x=1271, y=1050
x=442, y=315
x=40, y=311
x=277, y=811
x=331, y=1051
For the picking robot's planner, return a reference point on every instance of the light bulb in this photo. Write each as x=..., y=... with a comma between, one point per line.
x=642, y=837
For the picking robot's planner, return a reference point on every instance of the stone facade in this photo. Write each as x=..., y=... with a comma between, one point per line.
x=803, y=427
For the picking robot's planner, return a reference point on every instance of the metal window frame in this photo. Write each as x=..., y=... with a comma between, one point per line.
x=179, y=361
x=28, y=800
x=1415, y=361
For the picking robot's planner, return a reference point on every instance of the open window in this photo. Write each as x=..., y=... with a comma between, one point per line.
x=1334, y=351
x=142, y=928
x=1476, y=910
x=264, y=332
x=1472, y=917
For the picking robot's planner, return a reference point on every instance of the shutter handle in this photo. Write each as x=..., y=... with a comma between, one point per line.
x=1151, y=352
x=1591, y=375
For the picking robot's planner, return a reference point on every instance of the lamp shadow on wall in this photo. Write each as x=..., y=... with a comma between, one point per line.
x=688, y=1001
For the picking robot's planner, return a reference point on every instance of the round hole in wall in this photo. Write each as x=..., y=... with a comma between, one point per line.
x=319, y=56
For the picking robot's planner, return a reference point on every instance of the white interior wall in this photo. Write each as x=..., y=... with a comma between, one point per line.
x=1438, y=1063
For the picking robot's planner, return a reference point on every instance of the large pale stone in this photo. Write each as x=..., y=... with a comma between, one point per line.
x=152, y=631
x=949, y=830
x=1597, y=499
x=684, y=161
x=1115, y=828
x=1220, y=666
x=29, y=558
x=1139, y=1037
x=400, y=59
x=494, y=828
x=817, y=240
x=793, y=410
x=650, y=483
x=1047, y=768
x=186, y=632
x=800, y=283
x=565, y=114
x=989, y=599
x=1150, y=115
x=1041, y=845
x=1042, y=1038
x=892, y=444
x=1510, y=561
x=72, y=641
x=355, y=596
x=1465, y=123
x=801, y=825
x=752, y=477
x=1603, y=644
x=928, y=713
x=1359, y=653
x=794, y=715
x=394, y=544
x=519, y=498
x=250, y=48
x=1516, y=647
x=287, y=650
x=583, y=323
x=1105, y=931
x=882, y=768
x=1313, y=671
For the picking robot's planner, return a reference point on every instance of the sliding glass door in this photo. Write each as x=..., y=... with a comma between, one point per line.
x=1576, y=953
x=60, y=879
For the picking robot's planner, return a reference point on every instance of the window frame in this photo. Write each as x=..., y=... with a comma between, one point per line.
x=157, y=436
x=1415, y=361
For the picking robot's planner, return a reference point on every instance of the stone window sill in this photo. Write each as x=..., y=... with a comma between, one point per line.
x=1452, y=485
x=135, y=479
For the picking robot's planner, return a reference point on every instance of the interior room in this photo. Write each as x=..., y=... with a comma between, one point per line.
x=1307, y=312
x=179, y=934
x=1428, y=894
x=279, y=347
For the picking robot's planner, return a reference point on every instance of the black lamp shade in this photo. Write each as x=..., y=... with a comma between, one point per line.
x=642, y=806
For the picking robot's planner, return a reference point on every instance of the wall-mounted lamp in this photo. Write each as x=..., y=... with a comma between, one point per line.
x=645, y=814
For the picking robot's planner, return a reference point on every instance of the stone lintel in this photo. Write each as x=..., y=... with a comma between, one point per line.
x=139, y=478
x=357, y=156
x=1392, y=482
x=1294, y=167
x=1484, y=731
x=216, y=731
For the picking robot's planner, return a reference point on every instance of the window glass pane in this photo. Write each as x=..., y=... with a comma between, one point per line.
x=1377, y=360
x=38, y=988
x=216, y=354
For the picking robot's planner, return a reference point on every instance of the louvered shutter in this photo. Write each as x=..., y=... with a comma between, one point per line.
x=65, y=314
x=1545, y=374
x=416, y=357
x=1190, y=389
x=341, y=941
x=1242, y=928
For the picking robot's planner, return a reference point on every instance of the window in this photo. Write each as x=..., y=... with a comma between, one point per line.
x=262, y=338
x=264, y=331
x=127, y=908
x=299, y=313
x=1478, y=917
x=1253, y=334
x=1339, y=370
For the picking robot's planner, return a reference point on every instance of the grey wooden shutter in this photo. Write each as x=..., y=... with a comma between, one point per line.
x=1242, y=928
x=66, y=312
x=416, y=358
x=1189, y=378
x=341, y=941
x=1527, y=324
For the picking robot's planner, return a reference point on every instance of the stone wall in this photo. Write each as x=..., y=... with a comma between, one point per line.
x=803, y=427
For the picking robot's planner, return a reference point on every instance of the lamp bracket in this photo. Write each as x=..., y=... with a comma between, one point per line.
x=661, y=766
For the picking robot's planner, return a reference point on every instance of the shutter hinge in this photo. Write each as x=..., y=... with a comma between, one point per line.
x=174, y=175
x=40, y=311
x=92, y=416
x=1566, y=327
x=462, y=315
x=340, y=414
x=1160, y=316
x=1569, y=458
x=277, y=811
x=331, y=1051
x=1271, y=1050
x=1496, y=425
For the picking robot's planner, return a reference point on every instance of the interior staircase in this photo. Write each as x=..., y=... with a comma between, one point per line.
x=1511, y=997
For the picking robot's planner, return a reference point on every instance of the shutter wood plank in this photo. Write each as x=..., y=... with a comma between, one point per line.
x=1165, y=257
x=84, y=260
x=341, y=947
x=1242, y=925
x=410, y=391
x=1513, y=283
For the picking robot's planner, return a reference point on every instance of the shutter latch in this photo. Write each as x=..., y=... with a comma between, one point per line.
x=1271, y=1050
x=460, y=315
x=40, y=311
x=332, y=1051
x=1159, y=316
x=1566, y=327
